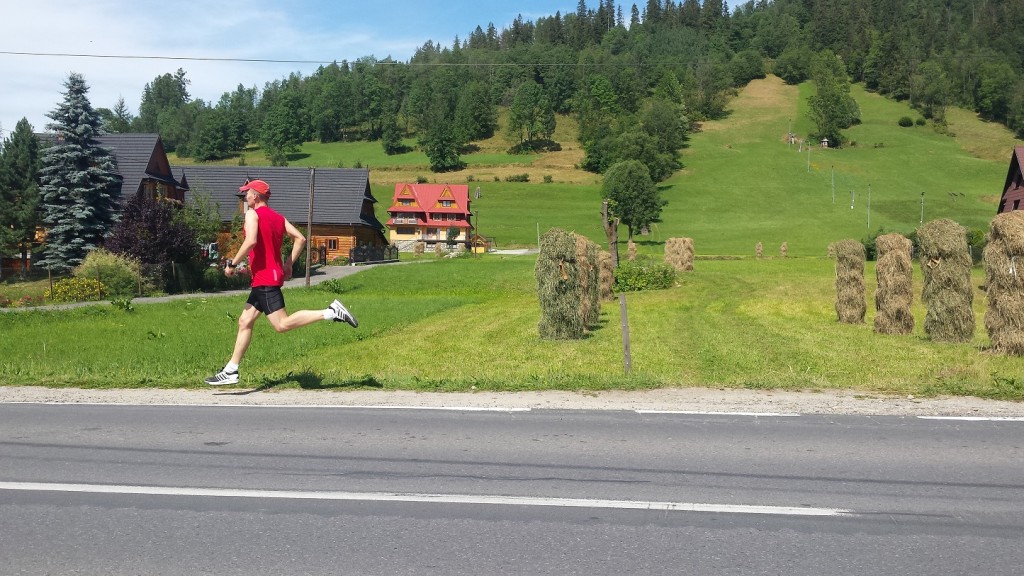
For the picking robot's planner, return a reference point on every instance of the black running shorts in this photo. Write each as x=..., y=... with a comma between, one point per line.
x=266, y=299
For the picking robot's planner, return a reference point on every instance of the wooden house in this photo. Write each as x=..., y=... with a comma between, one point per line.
x=141, y=163
x=143, y=166
x=429, y=213
x=342, y=204
x=1013, y=189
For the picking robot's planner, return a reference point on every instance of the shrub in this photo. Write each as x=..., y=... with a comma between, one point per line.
x=920, y=122
x=548, y=179
x=517, y=178
x=637, y=275
x=119, y=274
x=75, y=289
x=906, y=121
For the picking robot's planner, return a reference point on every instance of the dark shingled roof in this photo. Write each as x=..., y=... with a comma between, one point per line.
x=338, y=196
x=138, y=157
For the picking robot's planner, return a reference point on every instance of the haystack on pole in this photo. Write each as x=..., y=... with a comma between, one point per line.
x=947, y=294
x=679, y=254
x=606, y=275
x=851, y=305
x=558, y=286
x=895, y=293
x=587, y=265
x=759, y=250
x=1004, y=278
x=631, y=250
x=784, y=250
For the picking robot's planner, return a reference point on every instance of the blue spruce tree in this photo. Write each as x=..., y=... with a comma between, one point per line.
x=79, y=185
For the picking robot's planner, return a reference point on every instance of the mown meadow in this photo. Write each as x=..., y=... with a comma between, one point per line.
x=736, y=321
x=471, y=324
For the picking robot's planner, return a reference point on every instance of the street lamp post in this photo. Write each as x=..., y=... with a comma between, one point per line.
x=922, y=208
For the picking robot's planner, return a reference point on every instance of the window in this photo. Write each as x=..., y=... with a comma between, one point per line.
x=446, y=203
x=406, y=231
x=406, y=202
x=332, y=243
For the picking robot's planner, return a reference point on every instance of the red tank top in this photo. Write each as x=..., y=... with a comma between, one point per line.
x=265, y=257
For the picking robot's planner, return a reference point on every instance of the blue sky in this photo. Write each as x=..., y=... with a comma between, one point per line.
x=302, y=30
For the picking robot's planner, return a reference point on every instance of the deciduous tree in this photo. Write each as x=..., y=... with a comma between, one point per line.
x=634, y=197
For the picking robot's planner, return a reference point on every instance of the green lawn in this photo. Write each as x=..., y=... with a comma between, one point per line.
x=472, y=322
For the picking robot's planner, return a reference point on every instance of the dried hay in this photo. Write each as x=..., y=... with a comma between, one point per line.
x=1004, y=268
x=850, y=292
x=558, y=286
x=679, y=253
x=947, y=293
x=586, y=258
x=606, y=279
x=895, y=294
x=759, y=250
x=1009, y=228
x=784, y=250
x=631, y=250
x=892, y=242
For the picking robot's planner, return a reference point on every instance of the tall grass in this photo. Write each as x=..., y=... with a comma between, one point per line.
x=471, y=323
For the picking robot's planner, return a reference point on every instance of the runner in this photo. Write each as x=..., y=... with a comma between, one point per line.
x=264, y=233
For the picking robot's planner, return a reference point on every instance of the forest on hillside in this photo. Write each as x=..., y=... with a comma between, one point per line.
x=636, y=78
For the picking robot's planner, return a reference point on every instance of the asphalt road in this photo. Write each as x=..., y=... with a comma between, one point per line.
x=271, y=490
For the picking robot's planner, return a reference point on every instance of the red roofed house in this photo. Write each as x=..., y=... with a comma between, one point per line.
x=1013, y=189
x=427, y=212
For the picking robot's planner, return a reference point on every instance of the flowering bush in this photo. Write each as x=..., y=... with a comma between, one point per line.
x=76, y=290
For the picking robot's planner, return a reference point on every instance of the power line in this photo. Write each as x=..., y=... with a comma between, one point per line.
x=353, y=62
x=191, y=58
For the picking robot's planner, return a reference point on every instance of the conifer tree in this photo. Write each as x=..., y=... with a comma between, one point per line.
x=19, y=190
x=79, y=186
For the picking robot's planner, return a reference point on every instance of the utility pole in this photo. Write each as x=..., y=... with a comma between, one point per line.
x=869, y=207
x=833, y=184
x=922, y=209
x=309, y=221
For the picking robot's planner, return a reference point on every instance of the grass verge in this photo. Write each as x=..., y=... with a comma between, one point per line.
x=471, y=324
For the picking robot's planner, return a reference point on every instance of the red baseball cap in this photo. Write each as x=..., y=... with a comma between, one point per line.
x=256, y=186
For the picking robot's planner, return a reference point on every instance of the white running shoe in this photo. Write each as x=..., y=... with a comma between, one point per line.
x=341, y=314
x=223, y=378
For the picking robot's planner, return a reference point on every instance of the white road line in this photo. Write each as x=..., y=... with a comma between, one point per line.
x=976, y=418
x=305, y=406
x=698, y=413
x=425, y=498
